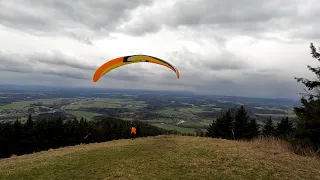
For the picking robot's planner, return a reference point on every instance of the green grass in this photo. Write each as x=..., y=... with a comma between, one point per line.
x=160, y=120
x=26, y=104
x=105, y=103
x=192, y=123
x=192, y=110
x=172, y=127
x=206, y=122
x=92, y=104
x=182, y=113
x=277, y=115
x=163, y=157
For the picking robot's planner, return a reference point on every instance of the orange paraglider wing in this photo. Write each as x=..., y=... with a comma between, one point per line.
x=125, y=60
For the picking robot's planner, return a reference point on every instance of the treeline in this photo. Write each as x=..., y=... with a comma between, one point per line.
x=23, y=138
x=238, y=125
x=303, y=136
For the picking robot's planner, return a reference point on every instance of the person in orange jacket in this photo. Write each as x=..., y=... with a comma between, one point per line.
x=133, y=132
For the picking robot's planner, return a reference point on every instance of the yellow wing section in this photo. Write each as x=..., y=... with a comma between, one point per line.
x=115, y=66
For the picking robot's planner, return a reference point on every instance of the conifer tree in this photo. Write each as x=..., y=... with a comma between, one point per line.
x=253, y=129
x=268, y=128
x=241, y=123
x=221, y=127
x=29, y=121
x=284, y=128
x=308, y=124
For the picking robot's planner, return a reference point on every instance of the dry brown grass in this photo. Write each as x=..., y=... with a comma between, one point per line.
x=278, y=145
x=165, y=157
x=271, y=144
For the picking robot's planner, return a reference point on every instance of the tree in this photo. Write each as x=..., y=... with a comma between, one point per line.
x=268, y=128
x=241, y=122
x=221, y=127
x=308, y=125
x=29, y=121
x=253, y=129
x=312, y=85
x=284, y=128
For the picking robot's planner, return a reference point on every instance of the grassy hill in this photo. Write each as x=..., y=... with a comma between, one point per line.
x=164, y=157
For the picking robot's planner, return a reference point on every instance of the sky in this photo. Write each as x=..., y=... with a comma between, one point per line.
x=254, y=48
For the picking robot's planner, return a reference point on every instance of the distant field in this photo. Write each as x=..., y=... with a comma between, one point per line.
x=206, y=121
x=99, y=103
x=84, y=114
x=277, y=115
x=127, y=119
x=170, y=117
x=105, y=103
x=181, y=113
x=159, y=120
x=172, y=127
x=164, y=157
x=26, y=104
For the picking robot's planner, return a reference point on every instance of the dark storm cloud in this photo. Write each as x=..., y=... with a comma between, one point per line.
x=67, y=17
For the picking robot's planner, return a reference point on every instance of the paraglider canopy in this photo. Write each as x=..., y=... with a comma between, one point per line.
x=125, y=60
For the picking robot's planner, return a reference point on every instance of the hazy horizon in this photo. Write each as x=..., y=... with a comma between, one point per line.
x=99, y=89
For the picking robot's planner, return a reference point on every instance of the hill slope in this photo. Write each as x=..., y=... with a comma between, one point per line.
x=163, y=157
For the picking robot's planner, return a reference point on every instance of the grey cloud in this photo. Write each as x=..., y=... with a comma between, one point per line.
x=15, y=69
x=255, y=18
x=226, y=12
x=85, y=40
x=60, y=59
x=85, y=20
x=253, y=85
x=64, y=16
x=247, y=17
x=13, y=62
x=67, y=74
x=225, y=61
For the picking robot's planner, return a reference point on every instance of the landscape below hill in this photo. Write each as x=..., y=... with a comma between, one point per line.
x=181, y=111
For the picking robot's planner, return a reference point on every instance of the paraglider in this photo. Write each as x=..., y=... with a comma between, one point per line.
x=133, y=132
x=125, y=60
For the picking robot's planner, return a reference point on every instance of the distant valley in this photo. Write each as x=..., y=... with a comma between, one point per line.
x=182, y=111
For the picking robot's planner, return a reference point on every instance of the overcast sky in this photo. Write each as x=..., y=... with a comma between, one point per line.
x=255, y=48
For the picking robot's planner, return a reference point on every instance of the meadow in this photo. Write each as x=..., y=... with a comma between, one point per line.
x=165, y=157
